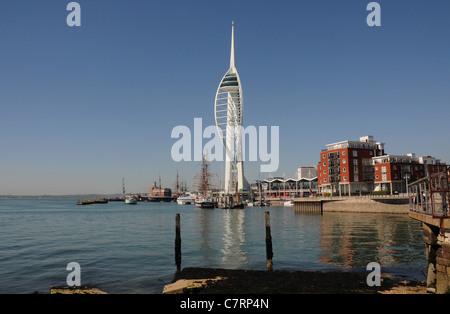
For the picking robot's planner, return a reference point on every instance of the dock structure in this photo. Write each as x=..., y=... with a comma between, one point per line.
x=308, y=206
x=429, y=202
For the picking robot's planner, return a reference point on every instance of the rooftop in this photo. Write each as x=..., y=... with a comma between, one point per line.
x=366, y=142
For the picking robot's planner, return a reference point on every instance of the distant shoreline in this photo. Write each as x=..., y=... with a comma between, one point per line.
x=58, y=197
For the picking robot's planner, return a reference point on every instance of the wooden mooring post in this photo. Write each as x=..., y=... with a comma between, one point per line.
x=309, y=206
x=269, y=252
x=177, y=242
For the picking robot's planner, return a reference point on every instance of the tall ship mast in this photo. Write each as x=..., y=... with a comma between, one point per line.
x=203, y=184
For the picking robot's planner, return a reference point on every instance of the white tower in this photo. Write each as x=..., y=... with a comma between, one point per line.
x=229, y=115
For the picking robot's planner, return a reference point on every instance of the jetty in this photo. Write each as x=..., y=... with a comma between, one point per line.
x=356, y=204
x=429, y=202
x=90, y=202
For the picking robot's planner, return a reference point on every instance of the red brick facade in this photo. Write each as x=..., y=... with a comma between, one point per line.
x=360, y=167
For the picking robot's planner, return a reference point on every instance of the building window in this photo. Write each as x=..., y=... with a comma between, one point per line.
x=355, y=162
x=395, y=176
x=345, y=178
x=344, y=169
x=324, y=179
x=394, y=167
x=324, y=172
x=344, y=161
x=355, y=153
x=343, y=152
x=324, y=163
x=356, y=178
x=323, y=156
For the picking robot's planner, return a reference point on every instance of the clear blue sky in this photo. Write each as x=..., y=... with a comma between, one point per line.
x=82, y=107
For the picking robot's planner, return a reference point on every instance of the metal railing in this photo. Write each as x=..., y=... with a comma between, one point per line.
x=431, y=195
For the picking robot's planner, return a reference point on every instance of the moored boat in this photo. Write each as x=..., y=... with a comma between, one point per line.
x=130, y=199
x=185, y=200
x=205, y=204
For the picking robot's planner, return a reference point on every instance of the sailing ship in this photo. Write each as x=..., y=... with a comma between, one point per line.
x=204, y=186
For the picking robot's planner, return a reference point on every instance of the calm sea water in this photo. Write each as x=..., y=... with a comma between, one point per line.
x=130, y=248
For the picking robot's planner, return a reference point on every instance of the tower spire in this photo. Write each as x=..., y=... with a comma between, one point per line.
x=232, y=55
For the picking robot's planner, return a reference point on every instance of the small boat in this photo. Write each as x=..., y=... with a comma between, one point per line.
x=238, y=206
x=204, y=203
x=185, y=200
x=289, y=203
x=207, y=204
x=130, y=199
x=233, y=206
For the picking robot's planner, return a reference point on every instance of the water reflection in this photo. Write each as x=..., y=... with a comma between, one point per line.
x=234, y=239
x=205, y=220
x=354, y=240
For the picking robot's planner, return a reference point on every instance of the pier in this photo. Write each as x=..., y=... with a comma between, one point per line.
x=429, y=202
x=355, y=204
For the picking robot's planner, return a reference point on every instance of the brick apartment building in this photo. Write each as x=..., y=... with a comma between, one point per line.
x=361, y=167
x=393, y=171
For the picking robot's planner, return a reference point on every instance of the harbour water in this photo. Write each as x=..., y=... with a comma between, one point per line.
x=130, y=248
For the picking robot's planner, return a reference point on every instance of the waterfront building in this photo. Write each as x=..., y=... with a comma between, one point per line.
x=158, y=191
x=392, y=172
x=428, y=160
x=307, y=173
x=361, y=167
x=346, y=167
x=228, y=112
x=281, y=187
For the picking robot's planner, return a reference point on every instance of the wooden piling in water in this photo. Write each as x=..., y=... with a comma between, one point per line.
x=269, y=252
x=177, y=242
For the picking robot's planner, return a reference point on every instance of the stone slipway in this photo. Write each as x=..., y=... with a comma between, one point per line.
x=228, y=281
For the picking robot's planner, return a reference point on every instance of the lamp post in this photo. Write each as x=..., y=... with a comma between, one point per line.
x=407, y=176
